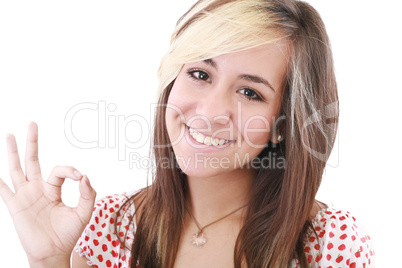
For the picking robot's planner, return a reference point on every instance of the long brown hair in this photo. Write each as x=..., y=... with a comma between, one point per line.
x=278, y=217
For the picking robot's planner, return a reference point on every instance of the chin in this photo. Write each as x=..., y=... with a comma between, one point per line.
x=201, y=166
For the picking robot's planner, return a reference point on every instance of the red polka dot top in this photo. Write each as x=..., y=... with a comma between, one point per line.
x=342, y=240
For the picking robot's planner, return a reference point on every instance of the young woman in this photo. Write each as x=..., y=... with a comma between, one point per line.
x=247, y=118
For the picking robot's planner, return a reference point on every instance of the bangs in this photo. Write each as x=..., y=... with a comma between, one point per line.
x=210, y=30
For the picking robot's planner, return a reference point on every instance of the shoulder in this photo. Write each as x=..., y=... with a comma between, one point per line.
x=339, y=240
x=112, y=221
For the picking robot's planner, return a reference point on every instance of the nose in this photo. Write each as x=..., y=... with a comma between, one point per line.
x=216, y=107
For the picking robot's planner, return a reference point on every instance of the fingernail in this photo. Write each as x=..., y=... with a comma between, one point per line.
x=77, y=174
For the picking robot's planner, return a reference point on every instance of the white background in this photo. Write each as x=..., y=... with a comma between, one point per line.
x=57, y=54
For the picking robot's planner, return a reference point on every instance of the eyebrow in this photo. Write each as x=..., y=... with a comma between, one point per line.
x=211, y=62
x=257, y=79
x=249, y=77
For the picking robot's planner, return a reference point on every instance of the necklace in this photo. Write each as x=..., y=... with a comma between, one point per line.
x=199, y=239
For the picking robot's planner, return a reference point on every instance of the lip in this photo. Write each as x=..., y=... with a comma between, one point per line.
x=208, y=134
x=202, y=146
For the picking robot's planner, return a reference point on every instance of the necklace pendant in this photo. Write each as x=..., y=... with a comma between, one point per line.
x=199, y=240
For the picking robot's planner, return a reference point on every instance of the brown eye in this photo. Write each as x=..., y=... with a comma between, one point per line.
x=250, y=94
x=199, y=75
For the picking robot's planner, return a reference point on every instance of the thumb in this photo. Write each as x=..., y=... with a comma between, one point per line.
x=87, y=199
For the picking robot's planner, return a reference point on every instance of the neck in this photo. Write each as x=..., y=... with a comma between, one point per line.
x=213, y=197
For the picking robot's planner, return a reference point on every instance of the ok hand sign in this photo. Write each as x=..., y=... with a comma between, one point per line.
x=47, y=229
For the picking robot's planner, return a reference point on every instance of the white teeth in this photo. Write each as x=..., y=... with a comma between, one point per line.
x=200, y=138
x=215, y=142
x=207, y=140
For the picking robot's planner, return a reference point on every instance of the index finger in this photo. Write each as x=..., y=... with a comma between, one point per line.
x=32, y=167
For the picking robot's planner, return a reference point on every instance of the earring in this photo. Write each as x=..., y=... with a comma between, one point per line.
x=280, y=138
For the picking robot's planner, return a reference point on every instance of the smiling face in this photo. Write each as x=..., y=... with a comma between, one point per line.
x=221, y=111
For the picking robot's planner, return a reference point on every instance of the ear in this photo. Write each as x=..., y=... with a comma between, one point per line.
x=276, y=138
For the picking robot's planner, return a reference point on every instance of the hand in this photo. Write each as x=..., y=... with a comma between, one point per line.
x=48, y=230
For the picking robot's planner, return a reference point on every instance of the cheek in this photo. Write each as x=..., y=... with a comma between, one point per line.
x=177, y=108
x=173, y=117
x=256, y=130
x=180, y=97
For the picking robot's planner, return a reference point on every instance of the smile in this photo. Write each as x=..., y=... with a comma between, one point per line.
x=207, y=140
